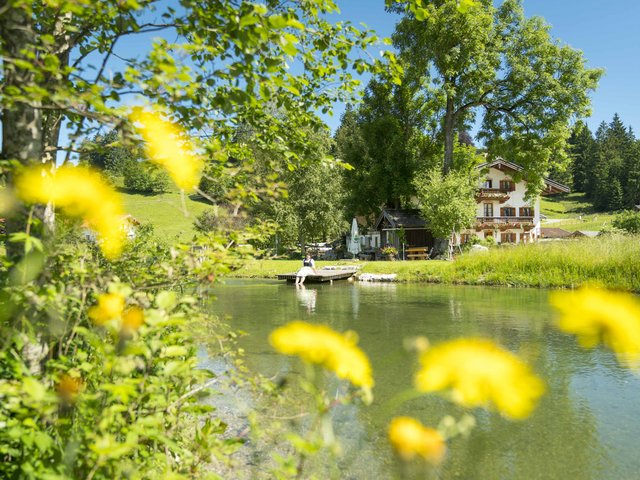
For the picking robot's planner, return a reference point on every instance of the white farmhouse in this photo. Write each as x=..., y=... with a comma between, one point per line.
x=503, y=213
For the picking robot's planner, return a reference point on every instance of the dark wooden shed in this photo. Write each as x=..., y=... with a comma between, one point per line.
x=394, y=224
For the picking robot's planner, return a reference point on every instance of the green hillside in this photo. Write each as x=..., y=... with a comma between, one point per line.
x=573, y=212
x=170, y=219
x=167, y=213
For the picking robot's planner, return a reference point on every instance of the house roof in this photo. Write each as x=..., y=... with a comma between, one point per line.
x=552, y=186
x=401, y=218
x=554, y=233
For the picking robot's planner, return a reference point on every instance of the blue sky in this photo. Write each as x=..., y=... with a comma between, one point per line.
x=608, y=32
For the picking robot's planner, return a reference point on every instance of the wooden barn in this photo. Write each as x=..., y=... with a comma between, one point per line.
x=403, y=226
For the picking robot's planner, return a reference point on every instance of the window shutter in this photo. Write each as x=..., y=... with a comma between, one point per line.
x=502, y=212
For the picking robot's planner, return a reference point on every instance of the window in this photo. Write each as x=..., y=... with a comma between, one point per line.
x=526, y=212
x=488, y=183
x=465, y=238
x=508, y=212
x=488, y=209
x=508, y=237
x=507, y=185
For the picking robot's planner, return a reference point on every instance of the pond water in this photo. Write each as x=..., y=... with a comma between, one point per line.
x=586, y=427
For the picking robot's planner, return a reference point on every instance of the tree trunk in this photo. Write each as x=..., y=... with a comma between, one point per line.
x=441, y=249
x=303, y=247
x=21, y=122
x=449, y=136
x=52, y=120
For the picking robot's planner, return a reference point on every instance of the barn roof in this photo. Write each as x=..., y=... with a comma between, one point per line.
x=401, y=218
x=554, y=233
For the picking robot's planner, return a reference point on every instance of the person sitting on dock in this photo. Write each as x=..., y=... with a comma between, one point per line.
x=308, y=267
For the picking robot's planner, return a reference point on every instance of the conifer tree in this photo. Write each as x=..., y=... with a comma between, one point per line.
x=582, y=150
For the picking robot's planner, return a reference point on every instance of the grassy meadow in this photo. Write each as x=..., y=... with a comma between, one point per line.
x=171, y=214
x=573, y=212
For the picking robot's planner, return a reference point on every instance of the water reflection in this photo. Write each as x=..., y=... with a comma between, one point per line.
x=585, y=427
x=307, y=297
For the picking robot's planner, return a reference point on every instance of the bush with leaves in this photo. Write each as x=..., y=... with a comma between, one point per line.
x=145, y=178
x=98, y=370
x=628, y=222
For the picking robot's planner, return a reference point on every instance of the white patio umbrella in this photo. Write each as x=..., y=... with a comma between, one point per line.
x=353, y=245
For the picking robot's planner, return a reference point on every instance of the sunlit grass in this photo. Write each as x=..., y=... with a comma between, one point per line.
x=165, y=212
x=573, y=212
x=611, y=261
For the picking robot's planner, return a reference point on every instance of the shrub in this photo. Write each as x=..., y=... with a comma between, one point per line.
x=102, y=384
x=214, y=185
x=144, y=177
x=628, y=221
x=219, y=218
x=487, y=242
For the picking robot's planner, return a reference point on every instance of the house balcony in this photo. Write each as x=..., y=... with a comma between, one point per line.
x=504, y=223
x=498, y=194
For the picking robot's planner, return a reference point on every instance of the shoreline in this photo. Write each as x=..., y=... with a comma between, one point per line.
x=611, y=262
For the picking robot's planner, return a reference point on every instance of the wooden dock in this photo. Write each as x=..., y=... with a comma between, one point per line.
x=324, y=275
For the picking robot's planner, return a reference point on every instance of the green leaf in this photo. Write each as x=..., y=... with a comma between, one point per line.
x=166, y=300
x=43, y=441
x=174, y=351
x=36, y=390
x=288, y=43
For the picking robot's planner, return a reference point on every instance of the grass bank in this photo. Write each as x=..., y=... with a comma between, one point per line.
x=612, y=262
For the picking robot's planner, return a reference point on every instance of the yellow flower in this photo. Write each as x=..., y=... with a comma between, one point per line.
x=479, y=373
x=132, y=320
x=411, y=439
x=68, y=388
x=596, y=315
x=169, y=147
x=81, y=193
x=320, y=345
x=110, y=306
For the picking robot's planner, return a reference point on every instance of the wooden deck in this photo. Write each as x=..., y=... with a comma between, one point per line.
x=322, y=276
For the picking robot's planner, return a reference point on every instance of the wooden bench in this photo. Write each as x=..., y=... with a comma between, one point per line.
x=417, y=253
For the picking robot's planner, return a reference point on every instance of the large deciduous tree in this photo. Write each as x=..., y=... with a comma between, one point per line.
x=228, y=63
x=386, y=141
x=312, y=210
x=490, y=64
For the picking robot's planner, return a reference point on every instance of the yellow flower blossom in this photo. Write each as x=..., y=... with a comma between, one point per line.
x=82, y=193
x=110, y=307
x=596, y=315
x=132, y=320
x=411, y=439
x=320, y=345
x=479, y=373
x=68, y=388
x=169, y=147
